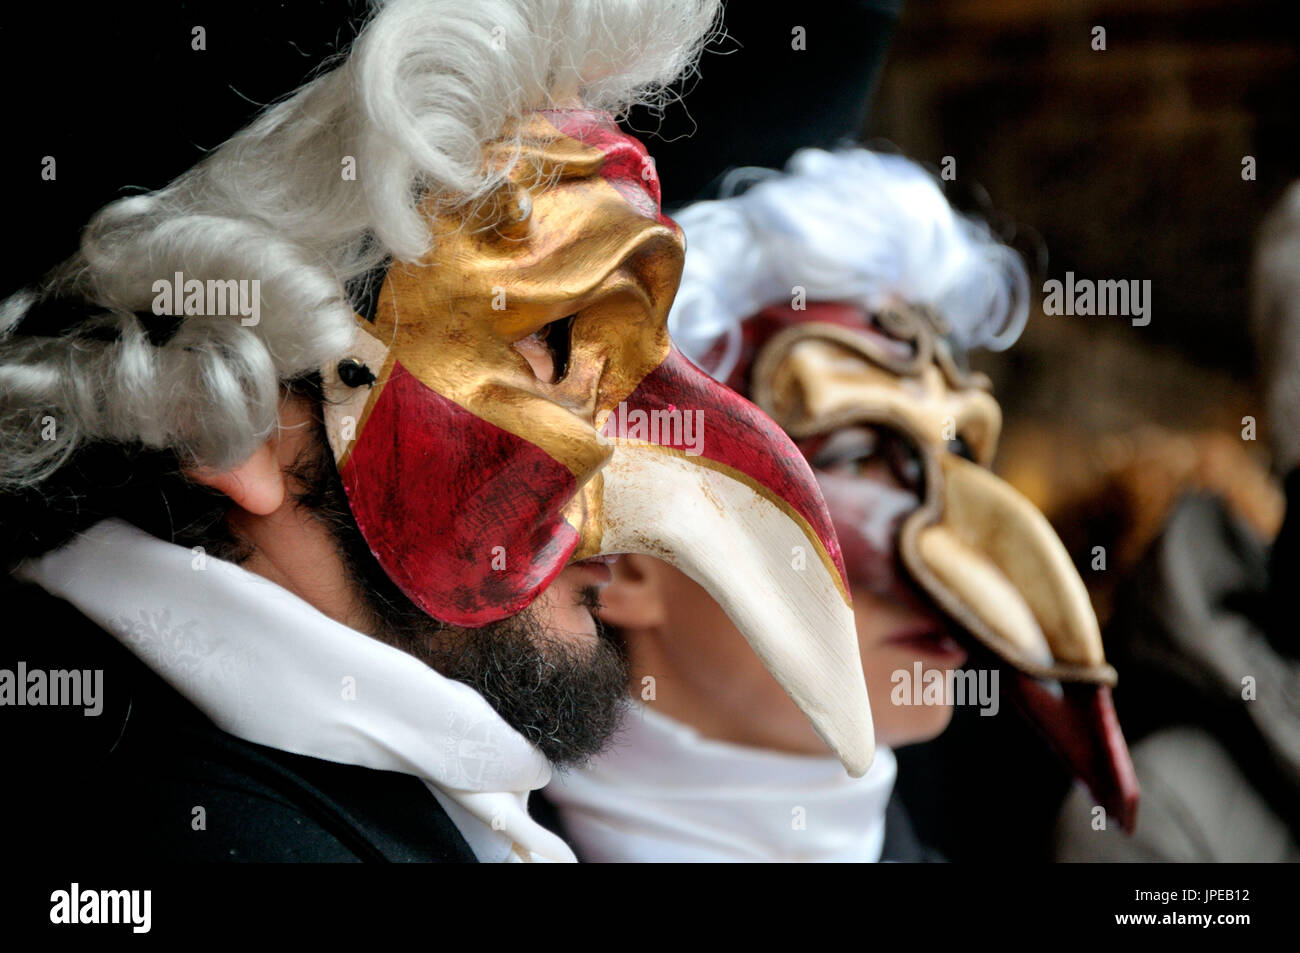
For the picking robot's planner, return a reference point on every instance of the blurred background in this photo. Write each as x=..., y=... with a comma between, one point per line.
x=1124, y=164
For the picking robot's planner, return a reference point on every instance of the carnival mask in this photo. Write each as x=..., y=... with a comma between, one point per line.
x=980, y=552
x=475, y=482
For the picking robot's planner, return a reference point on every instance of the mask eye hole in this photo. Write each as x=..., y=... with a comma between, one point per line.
x=871, y=453
x=548, y=349
x=847, y=450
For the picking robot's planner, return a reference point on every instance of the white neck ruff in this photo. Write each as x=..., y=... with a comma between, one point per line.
x=267, y=667
x=665, y=793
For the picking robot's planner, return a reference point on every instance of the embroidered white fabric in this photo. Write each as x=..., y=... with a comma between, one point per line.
x=269, y=668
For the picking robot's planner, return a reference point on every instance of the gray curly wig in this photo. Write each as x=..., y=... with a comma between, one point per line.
x=426, y=84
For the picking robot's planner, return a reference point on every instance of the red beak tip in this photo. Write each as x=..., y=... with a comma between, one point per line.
x=1127, y=814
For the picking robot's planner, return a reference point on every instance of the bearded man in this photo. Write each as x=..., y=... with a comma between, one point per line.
x=331, y=551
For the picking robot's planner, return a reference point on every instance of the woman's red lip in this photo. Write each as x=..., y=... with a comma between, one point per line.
x=917, y=630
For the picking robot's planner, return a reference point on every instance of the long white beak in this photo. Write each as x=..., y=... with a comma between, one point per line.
x=757, y=558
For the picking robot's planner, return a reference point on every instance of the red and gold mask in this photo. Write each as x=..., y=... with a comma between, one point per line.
x=944, y=524
x=475, y=482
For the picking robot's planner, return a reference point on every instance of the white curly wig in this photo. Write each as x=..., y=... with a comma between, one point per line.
x=852, y=225
x=426, y=84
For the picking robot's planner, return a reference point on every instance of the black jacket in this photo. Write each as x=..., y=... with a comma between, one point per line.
x=152, y=779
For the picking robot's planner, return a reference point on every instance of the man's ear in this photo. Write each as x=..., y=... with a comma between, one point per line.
x=257, y=485
x=635, y=599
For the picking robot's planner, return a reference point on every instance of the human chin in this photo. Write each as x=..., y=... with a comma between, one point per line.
x=895, y=638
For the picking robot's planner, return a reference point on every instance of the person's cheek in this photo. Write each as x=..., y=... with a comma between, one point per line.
x=560, y=610
x=898, y=704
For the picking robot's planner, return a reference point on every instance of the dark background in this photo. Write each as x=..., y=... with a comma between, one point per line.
x=121, y=100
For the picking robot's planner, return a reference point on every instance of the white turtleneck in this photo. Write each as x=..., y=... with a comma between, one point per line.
x=664, y=793
x=268, y=667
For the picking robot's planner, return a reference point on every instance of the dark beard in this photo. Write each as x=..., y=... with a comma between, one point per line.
x=566, y=699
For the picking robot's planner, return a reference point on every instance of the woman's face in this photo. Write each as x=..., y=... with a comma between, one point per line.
x=873, y=479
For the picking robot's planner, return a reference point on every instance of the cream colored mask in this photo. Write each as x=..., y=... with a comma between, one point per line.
x=970, y=543
x=475, y=480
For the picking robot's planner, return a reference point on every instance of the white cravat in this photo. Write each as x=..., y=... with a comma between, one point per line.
x=267, y=667
x=664, y=793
